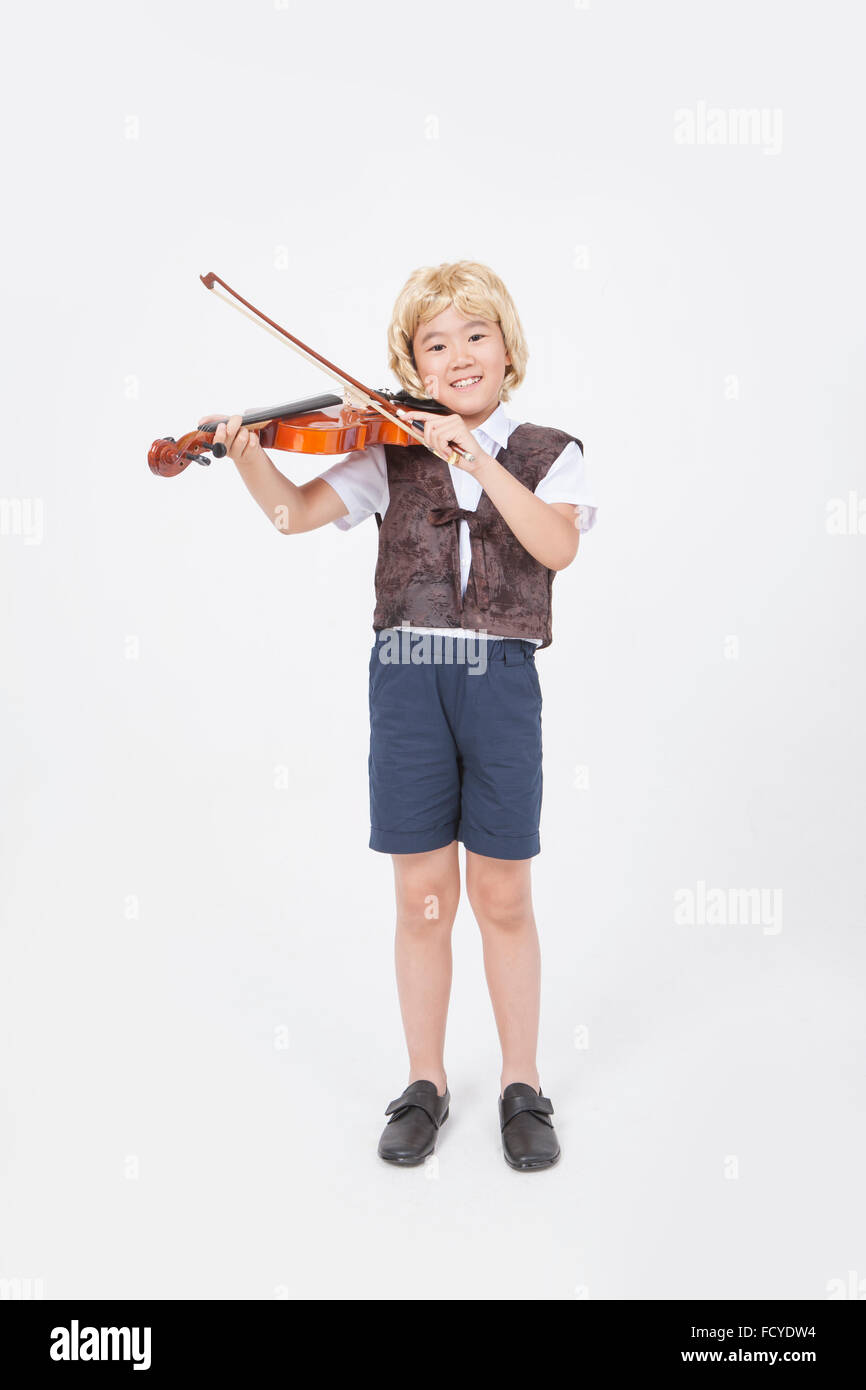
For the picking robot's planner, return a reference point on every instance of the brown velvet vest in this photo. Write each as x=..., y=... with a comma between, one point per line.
x=418, y=567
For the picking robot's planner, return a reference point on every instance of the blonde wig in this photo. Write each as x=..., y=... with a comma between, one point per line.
x=476, y=292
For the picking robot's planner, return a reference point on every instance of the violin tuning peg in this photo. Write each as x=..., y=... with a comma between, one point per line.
x=218, y=451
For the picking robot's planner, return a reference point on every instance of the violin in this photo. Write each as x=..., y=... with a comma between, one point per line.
x=326, y=424
x=318, y=425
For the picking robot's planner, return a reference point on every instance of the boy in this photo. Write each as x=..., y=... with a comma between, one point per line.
x=468, y=550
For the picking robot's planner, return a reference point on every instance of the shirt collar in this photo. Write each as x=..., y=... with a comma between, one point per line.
x=496, y=427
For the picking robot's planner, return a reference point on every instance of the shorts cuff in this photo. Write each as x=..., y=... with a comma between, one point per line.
x=499, y=846
x=411, y=841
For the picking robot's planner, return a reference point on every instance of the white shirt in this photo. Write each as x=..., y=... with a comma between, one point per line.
x=361, y=480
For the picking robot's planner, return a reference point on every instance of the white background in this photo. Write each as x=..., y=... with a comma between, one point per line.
x=172, y=913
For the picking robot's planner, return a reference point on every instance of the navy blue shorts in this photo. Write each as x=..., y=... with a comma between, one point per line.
x=455, y=745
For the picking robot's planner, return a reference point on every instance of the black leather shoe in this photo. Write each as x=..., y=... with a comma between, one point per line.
x=410, y=1134
x=528, y=1137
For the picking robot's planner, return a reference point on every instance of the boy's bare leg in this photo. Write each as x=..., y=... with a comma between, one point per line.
x=500, y=891
x=427, y=888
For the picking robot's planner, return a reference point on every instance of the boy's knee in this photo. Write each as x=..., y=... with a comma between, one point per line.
x=427, y=896
x=500, y=901
x=502, y=914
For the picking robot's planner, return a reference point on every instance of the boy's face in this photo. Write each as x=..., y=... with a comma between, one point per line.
x=450, y=350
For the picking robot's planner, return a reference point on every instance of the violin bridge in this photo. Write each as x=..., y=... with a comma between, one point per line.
x=355, y=399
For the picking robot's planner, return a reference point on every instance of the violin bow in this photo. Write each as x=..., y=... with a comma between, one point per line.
x=358, y=393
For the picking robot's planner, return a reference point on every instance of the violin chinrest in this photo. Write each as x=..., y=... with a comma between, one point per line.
x=407, y=401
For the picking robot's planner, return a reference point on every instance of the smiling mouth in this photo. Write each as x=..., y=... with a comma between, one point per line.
x=465, y=383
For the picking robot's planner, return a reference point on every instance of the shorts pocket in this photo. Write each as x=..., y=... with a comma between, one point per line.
x=532, y=676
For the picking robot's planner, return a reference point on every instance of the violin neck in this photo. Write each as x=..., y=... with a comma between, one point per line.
x=284, y=412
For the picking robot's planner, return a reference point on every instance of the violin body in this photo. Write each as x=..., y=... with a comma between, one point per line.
x=318, y=425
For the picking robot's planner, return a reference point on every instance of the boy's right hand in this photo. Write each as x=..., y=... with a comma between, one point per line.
x=241, y=443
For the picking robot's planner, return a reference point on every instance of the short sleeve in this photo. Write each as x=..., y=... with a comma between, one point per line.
x=361, y=480
x=568, y=480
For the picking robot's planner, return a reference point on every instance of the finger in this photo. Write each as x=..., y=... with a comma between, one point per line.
x=209, y=419
x=437, y=443
x=444, y=444
x=233, y=424
x=441, y=436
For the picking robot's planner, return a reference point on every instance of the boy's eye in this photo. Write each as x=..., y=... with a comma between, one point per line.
x=434, y=346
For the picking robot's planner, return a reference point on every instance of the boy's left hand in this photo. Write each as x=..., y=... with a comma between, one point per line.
x=442, y=432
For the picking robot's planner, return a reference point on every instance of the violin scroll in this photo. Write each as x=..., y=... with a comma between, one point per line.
x=168, y=457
